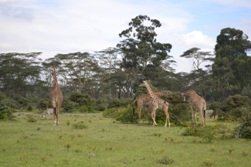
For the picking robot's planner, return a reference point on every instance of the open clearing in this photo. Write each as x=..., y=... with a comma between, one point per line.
x=90, y=140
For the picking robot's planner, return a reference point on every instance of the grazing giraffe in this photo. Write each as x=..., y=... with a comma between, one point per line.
x=56, y=96
x=157, y=103
x=198, y=103
x=143, y=101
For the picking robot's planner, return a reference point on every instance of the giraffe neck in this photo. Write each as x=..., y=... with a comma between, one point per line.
x=54, y=80
x=149, y=90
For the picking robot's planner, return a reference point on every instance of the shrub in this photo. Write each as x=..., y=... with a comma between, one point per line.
x=244, y=130
x=30, y=118
x=123, y=114
x=235, y=107
x=43, y=104
x=180, y=113
x=80, y=98
x=100, y=105
x=5, y=109
x=118, y=103
x=209, y=133
x=69, y=106
x=5, y=113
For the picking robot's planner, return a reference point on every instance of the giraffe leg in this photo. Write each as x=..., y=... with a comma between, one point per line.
x=55, y=115
x=153, y=114
x=202, y=117
x=167, y=117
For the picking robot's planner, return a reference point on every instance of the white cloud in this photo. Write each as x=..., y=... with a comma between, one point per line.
x=88, y=24
x=91, y=25
x=197, y=39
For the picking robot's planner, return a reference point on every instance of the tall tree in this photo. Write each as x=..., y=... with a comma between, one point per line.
x=198, y=57
x=79, y=70
x=19, y=73
x=231, y=69
x=141, y=53
x=109, y=61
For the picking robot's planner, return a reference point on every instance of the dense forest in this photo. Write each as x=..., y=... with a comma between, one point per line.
x=112, y=77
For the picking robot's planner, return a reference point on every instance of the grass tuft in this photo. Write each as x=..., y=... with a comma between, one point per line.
x=208, y=163
x=80, y=125
x=165, y=161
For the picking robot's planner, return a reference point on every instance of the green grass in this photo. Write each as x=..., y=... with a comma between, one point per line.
x=90, y=140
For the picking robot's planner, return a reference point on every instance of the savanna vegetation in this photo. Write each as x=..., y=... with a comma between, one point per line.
x=99, y=125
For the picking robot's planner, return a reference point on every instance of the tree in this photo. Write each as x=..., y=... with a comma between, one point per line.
x=198, y=57
x=80, y=71
x=19, y=73
x=141, y=53
x=109, y=61
x=231, y=69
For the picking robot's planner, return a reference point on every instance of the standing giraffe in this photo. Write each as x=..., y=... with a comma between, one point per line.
x=56, y=96
x=157, y=103
x=198, y=103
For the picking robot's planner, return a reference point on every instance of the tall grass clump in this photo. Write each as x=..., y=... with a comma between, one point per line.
x=244, y=130
x=122, y=114
x=80, y=125
x=5, y=108
x=209, y=133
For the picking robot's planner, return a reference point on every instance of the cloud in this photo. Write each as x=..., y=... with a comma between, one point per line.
x=197, y=39
x=63, y=26
x=90, y=25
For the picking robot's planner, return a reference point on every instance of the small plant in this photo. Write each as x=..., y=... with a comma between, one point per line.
x=208, y=163
x=5, y=111
x=80, y=125
x=165, y=161
x=230, y=150
x=68, y=146
x=244, y=130
x=244, y=154
x=68, y=123
x=30, y=118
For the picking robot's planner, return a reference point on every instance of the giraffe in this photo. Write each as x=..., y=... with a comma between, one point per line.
x=144, y=100
x=198, y=103
x=157, y=103
x=56, y=96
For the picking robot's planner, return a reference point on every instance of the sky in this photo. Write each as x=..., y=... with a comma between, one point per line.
x=65, y=26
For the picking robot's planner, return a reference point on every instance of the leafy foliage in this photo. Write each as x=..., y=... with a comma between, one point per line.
x=244, y=130
x=235, y=107
x=209, y=133
x=5, y=108
x=232, y=65
x=142, y=55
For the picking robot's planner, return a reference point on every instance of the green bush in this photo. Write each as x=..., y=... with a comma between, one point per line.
x=80, y=99
x=43, y=104
x=78, y=102
x=244, y=130
x=209, y=133
x=180, y=113
x=69, y=106
x=5, y=109
x=235, y=108
x=100, y=105
x=5, y=113
x=123, y=114
x=118, y=103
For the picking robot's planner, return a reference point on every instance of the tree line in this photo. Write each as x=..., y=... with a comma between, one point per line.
x=117, y=72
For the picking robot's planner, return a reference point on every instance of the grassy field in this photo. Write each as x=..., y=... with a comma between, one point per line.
x=90, y=140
